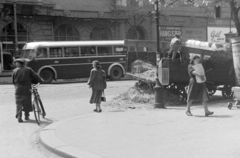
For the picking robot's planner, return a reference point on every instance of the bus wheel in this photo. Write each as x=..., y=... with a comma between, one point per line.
x=47, y=75
x=116, y=73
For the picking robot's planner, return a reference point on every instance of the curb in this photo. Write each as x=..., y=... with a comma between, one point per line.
x=51, y=142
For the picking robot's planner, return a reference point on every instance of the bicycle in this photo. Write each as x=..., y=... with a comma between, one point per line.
x=37, y=104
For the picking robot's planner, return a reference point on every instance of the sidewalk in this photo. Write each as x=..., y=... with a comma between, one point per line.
x=159, y=133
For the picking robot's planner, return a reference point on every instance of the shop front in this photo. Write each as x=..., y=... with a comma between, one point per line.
x=190, y=33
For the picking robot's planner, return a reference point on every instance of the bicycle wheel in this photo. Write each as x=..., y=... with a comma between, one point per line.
x=36, y=110
x=41, y=106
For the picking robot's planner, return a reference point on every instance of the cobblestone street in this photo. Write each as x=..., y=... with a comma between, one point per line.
x=61, y=101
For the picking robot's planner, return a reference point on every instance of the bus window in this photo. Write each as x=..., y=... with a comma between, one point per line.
x=71, y=52
x=119, y=50
x=41, y=53
x=55, y=52
x=88, y=51
x=139, y=49
x=105, y=50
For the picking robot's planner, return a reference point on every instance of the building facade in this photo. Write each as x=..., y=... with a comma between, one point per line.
x=61, y=20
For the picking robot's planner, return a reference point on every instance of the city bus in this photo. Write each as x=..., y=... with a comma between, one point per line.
x=73, y=59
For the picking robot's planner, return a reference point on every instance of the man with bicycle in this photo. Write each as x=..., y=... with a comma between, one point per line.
x=23, y=77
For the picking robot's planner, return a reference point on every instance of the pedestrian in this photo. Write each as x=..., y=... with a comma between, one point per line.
x=196, y=91
x=97, y=81
x=23, y=77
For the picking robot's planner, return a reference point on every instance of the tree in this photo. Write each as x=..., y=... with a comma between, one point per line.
x=132, y=11
x=234, y=5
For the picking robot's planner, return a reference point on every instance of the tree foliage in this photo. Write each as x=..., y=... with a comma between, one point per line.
x=130, y=10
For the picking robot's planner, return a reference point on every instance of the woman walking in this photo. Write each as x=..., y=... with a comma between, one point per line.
x=196, y=91
x=97, y=81
x=22, y=79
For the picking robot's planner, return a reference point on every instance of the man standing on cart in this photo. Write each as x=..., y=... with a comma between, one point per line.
x=175, y=47
x=23, y=77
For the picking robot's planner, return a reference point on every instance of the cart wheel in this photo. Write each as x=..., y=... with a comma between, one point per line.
x=227, y=92
x=230, y=106
x=211, y=89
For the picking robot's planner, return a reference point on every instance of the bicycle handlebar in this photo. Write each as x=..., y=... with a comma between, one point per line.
x=35, y=85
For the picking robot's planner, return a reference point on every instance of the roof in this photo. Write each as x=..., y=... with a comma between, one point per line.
x=33, y=45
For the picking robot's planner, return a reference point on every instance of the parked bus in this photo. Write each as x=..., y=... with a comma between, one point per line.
x=73, y=59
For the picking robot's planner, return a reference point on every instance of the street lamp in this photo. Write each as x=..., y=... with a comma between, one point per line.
x=15, y=26
x=158, y=89
x=157, y=24
x=156, y=4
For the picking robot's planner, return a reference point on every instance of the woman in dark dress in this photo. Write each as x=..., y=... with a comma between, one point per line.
x=97, y=81
x=22, y=79
x=196, y=91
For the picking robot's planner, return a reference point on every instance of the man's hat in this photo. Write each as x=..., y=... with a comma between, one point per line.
x=21, y=60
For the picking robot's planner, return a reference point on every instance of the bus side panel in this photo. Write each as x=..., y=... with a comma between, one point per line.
x=69, y=68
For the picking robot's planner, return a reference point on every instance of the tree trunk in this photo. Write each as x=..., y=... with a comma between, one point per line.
x=235, y=10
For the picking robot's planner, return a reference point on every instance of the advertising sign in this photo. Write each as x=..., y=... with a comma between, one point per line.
x=217, y=34
x=199, y=34
x=167, y=33
x=163, y=76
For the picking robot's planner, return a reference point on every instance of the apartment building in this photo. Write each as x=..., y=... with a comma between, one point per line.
x=68, y=20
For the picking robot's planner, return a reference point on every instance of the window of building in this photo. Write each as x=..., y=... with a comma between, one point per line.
x=8, y=33
x=27, y=9
x=100, y=33
x=66, y=33
x=88, y=51
x=41, y=53
x=7, y=36
x=71, y=52
x=135, y=33
x=104, y=50
x=132, y=3
x=121, y=2
x=55, y=52
x=131, y=48
x=218, y=11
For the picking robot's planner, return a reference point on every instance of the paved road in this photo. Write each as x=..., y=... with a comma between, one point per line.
x=60, y=100
x=158, y=133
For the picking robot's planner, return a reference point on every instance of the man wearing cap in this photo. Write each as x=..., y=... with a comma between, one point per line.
x=23, y=77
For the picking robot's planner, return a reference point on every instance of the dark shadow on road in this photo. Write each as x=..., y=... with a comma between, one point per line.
x=118, y=110
x=235, y=108
x=44, y=122
x=30, y=121
x=214, y=116
x=72, y=81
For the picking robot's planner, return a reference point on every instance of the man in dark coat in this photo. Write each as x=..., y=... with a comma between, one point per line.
x=22, y=79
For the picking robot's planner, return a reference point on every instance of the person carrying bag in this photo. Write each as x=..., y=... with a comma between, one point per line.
x=97, y=81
